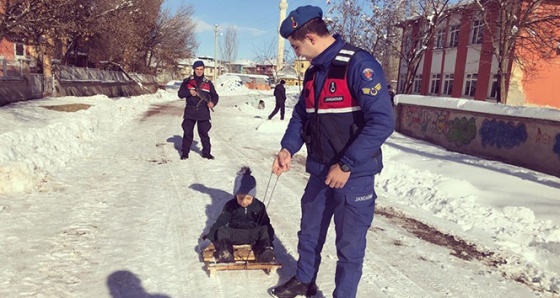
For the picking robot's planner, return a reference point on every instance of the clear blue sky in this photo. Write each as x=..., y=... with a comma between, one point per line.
x=256, y=22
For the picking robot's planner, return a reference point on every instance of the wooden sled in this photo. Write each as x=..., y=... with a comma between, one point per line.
x=244, y=260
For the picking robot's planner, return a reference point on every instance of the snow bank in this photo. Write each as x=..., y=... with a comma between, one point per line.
x=30, y=151
x=227, y=85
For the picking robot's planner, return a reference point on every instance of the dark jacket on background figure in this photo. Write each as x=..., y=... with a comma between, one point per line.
x=196, y=106
x=280, y=95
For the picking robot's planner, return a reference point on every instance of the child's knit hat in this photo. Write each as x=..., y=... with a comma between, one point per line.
x=245, y=183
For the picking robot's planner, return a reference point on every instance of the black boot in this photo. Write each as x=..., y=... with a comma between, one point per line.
x=266, y=255
x=293, y=288
x=225, y=252
x=264, y=251
x=207, y=156
x=184, y=156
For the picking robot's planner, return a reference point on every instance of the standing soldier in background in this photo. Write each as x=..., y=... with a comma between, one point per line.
x=201, y=97
x=344, y=116
x=280, y=95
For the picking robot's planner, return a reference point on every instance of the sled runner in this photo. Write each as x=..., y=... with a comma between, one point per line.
x=244, y=260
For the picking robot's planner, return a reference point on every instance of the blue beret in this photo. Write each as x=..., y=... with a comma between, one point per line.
x=197, y=63
x=298, y=18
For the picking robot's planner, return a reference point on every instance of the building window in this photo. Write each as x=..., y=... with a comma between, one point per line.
x=447, y=84
x=417, y=84
x=439, y=39
x=494, y=89
x=477, y=30
x=454, y=33
x=19, y=49
x=470, y=84
x=401, y=83
x=435, y=83
x=407, y=45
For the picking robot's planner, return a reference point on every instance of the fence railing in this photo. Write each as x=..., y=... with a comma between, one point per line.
x=37, y=85
x=11, y=69
x=81, y=74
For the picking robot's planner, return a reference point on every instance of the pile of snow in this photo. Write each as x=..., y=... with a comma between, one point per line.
x=230, y=85
x=38, y=140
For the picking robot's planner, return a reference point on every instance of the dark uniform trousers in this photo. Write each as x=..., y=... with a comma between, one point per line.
x=280, y=106
x=203, y=127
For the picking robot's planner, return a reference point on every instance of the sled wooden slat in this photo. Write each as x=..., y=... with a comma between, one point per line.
x=267, y=267
x=241, y=253
x=244, y=260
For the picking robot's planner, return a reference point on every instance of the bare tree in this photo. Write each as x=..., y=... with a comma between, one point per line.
x=370, y=25
x=353, y=20
x=266, y=52
x=25, y=19
x=135, y=34
x=421, y=21
x=527, y=31
x=171, y=38
x=229, y=46
x=119, y=35
x=50, y=24
x=289, y=56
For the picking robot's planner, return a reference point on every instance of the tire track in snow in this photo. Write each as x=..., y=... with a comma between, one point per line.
x=184, y=221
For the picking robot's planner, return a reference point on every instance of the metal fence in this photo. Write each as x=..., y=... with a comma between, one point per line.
x=37, y=83
x=11, y=69
x=81, y=74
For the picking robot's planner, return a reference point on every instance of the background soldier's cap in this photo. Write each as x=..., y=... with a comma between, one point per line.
x=198, y=63
x=298, y=18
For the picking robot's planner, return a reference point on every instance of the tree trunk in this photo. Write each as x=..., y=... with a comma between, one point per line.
x=48, y=52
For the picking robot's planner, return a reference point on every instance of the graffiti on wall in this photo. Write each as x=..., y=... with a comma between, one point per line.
x=556, y=147
x=441, y=126
x=543, y=138
x=527, y=142
x=502, y=134
x=415, y=116
x=461, y=131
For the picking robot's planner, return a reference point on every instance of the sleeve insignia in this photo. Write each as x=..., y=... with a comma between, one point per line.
x=372, y=91
x=367, y=74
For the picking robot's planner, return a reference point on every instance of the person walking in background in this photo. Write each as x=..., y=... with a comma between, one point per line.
x=391, y=94
x=201, y=97
x=344, y=116
x=280, y=95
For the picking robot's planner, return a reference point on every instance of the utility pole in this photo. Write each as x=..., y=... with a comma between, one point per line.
x=215, y=52
x=283, y=7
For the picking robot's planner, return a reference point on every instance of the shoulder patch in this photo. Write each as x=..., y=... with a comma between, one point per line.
x=372, y=91
x=367, y=74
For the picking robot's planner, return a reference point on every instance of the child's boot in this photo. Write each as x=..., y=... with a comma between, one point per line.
x=264, y=251
x=225, y=253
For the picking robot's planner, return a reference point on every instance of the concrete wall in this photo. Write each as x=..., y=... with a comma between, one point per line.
x=76, y=81
x=111, y=89
x=14, y=90
x=79, y=81
x=523, y=141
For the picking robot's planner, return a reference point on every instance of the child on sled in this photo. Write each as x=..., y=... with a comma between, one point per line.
x=243, y=221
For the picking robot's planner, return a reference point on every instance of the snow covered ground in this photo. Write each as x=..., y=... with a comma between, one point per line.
x=96, y=203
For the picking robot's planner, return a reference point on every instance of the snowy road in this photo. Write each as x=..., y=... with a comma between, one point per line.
x=124, y=219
